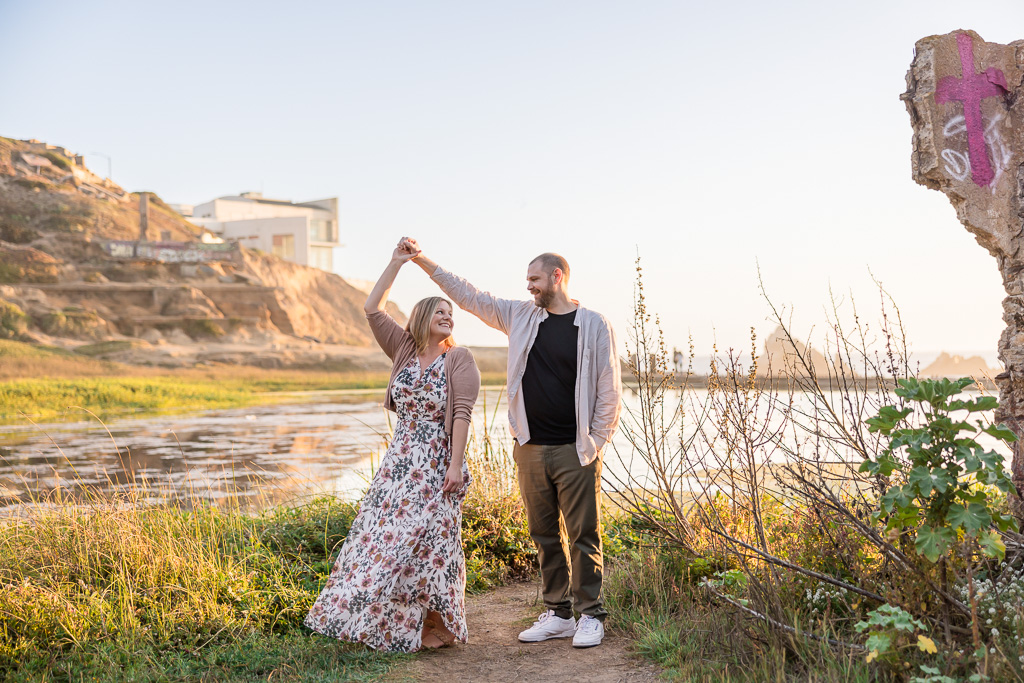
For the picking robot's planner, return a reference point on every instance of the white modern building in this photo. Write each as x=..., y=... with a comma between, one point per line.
x=305, y=233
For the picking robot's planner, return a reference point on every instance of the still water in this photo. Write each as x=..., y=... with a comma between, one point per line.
x=317, y=443
x=324, y=444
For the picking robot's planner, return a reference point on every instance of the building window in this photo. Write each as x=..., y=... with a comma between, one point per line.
x=284, y=246
x=322, y=258
x=321, y=230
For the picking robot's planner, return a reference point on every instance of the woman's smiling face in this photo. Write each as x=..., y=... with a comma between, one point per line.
x=441, y=323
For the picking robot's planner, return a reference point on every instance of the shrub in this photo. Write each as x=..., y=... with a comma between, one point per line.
x=202, y=328
x=32, y=184
x=62, y=223
x=936, y=462
x=58, y=160
x=15, y=233
x=10, y=273
x=496, y=541
x=68, y=323
x=13, y=320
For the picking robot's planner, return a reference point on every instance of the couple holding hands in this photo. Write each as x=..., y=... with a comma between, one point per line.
x=399, y=582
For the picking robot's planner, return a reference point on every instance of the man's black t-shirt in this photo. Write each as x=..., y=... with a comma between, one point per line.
x=549, y=382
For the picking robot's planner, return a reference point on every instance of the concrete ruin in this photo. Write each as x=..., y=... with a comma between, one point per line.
x=964, y=99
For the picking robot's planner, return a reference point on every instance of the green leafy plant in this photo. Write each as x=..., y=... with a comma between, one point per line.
x=936, y=462
x=891, y=629
x=730, y=582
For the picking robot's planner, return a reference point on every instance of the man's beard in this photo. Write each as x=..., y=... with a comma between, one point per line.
x=543, y=300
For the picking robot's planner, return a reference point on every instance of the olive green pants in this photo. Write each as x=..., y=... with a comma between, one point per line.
x=552, y=481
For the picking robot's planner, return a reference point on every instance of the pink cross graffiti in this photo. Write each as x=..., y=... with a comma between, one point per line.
x=970, y=90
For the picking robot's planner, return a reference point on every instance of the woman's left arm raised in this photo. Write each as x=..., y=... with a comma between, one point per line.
x=386, y=331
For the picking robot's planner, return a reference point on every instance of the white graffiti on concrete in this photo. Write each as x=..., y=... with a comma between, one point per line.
x=957, y=164
x=172, y=252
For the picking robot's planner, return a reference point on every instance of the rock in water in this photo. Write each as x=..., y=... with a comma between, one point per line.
x=965, y=104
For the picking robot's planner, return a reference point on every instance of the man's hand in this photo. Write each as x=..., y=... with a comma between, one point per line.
x=401, y=256
x=410, y=246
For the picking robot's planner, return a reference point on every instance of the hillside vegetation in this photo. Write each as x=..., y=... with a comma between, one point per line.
x=60, y=286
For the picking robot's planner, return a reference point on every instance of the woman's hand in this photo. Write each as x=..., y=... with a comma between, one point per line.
x=453, y=479
x=402, y=254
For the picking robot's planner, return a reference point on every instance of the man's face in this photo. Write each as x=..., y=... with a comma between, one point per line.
x=540, y=284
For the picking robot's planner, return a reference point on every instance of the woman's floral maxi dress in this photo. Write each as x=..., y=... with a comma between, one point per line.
x=403, y=555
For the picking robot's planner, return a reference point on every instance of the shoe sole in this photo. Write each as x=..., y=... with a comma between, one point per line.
x=541, y=640
x=584, y=647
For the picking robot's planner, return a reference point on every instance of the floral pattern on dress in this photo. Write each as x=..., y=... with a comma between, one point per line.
x=403, y=555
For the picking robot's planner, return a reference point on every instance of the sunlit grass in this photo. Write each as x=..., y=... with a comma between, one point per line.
x=113, y=588
x=44, y=384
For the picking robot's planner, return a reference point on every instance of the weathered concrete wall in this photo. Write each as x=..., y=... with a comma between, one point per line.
x=964, y=100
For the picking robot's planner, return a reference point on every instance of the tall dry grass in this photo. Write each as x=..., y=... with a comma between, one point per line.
x=756, y=508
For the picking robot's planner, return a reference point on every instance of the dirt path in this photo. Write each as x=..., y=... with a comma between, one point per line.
x=495, y=654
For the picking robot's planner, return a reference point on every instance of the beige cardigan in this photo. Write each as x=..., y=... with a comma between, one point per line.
x=598, y=386
x=460, y=369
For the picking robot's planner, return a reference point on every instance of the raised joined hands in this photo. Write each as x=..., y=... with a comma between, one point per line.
x=402, y=256
x=409, y=246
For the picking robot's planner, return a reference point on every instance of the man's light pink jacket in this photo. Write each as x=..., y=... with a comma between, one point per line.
x=598, y=386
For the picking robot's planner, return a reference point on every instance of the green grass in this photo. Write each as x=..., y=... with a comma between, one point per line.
x=653, y=595
x=49, y=399
x=52, y=399
x=100, y=348
x=125, y=592
x=293, y=656
x=11, y=350
x=43, y=382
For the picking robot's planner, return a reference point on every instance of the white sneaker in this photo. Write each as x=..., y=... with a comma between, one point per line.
x=589, y=632
x=548, y=626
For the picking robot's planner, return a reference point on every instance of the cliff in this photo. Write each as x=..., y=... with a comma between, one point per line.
x=74, y=272
x=955, y=366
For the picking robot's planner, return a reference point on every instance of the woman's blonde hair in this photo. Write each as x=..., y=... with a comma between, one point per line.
x=419, y=322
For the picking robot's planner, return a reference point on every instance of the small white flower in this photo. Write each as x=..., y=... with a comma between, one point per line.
x=992, y=651
x=995, y=632
x=991, y=610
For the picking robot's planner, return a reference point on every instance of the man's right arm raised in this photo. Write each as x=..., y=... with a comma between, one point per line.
x=493, y=311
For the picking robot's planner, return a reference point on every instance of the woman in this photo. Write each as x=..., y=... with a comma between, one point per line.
x=399, y=582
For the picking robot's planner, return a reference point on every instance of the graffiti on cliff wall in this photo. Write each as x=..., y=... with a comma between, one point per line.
x=958, y=165
x=970, y=90
x=172, y=252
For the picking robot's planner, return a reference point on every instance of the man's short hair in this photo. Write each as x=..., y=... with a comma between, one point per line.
x=550, y=261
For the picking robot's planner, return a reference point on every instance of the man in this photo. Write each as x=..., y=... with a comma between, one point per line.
x=564, y=398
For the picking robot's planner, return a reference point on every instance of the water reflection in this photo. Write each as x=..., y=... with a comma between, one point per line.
x=272, y=453
x=324, y=443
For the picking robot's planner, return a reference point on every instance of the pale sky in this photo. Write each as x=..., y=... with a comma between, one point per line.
x=707, y=138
